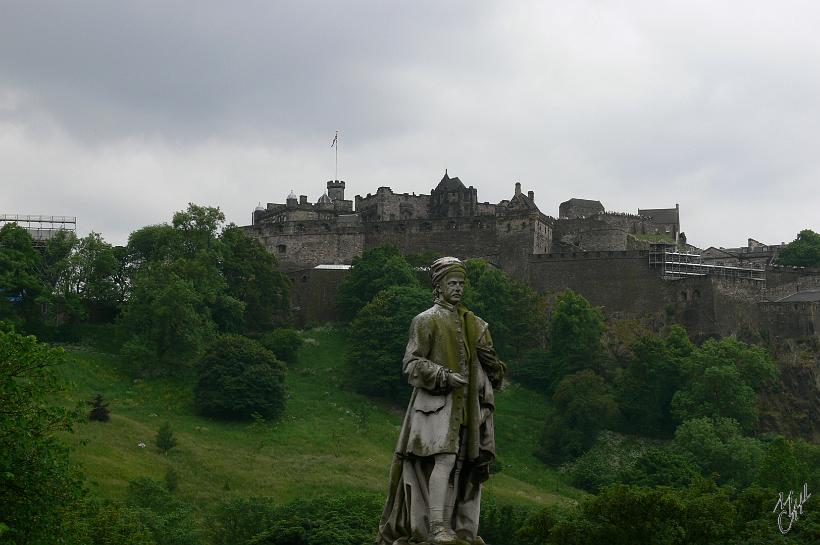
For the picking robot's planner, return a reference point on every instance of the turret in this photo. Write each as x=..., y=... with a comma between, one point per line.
x=336, y=190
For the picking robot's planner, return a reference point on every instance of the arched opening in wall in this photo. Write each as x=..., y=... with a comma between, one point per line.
x=304, y=278
x=523, y=224
x=281, y=248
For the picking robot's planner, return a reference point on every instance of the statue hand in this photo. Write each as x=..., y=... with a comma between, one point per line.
x=455, y=380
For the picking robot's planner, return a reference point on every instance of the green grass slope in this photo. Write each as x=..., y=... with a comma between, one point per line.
x=329, y=439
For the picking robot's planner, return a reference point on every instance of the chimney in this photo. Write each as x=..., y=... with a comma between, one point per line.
x=303, y=199
x=517, y=188
x=531, y=195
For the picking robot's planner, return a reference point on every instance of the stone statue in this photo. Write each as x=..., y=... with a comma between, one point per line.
x=447, y=442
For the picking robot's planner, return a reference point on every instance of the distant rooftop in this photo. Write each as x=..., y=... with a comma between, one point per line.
x=806, y=296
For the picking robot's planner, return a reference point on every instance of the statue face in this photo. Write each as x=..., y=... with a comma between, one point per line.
x=452, y=287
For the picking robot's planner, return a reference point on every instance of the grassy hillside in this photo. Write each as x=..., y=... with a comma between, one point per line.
x=329, y=439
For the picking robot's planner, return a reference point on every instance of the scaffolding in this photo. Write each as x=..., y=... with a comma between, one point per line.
x=41, y=228
x=675, y=265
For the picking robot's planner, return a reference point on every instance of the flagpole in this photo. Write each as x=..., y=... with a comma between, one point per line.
x=337, y=155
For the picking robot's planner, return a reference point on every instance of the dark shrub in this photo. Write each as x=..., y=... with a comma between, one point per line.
x=238, y=377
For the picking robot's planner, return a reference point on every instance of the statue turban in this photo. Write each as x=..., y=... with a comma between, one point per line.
x=443, y=266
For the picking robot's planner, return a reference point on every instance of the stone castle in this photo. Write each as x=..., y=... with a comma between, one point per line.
x=633, y=266
x=450, y=220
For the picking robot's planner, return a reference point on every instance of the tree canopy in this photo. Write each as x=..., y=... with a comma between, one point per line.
x=803, y=251
x=377, y=269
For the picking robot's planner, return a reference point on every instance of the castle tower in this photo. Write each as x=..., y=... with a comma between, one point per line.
x=336, y=190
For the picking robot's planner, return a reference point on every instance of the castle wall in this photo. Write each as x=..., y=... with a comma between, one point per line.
x=620, y=281
x=460, y=237
x=388, y=206
x=311, y=242
x=791, y=320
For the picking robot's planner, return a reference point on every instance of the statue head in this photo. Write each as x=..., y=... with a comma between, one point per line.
x=448, y=275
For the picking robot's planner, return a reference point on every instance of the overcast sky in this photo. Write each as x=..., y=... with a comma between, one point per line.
x=121, y=113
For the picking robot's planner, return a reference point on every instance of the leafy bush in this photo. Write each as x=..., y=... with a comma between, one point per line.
x=284, y=343
x=606, y=462
x=662, y=466
x=238, y=377
x=584, y=405
x=499, y=523
x=343, y=520
x=169, y=520
x=237, y=520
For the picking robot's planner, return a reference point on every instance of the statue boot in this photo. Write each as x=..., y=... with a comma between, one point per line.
x=440, y=534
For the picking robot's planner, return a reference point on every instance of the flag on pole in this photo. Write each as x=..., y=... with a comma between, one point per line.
x=335, y=139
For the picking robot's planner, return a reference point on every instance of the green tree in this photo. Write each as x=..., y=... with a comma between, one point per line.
x=378, y=337
x=721, y=378
x=516, y=312
x=717, y=446
x=646, y=386
x=583, y=406
x=574, y=335
x=99, y=409
x=803, y=251
x=165, y=439
x=167, y=320
x=377, y=269
x=38, y=484
x=253, y=278
x=238, y=377
x=20, y=284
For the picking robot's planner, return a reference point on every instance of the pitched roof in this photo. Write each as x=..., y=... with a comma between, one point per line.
x=805, y=296
x=449, y=184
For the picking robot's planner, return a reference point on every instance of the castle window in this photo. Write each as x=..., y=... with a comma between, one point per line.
x=300, y=228
x=280, y=228
x=281, y=248
x=508, y=227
